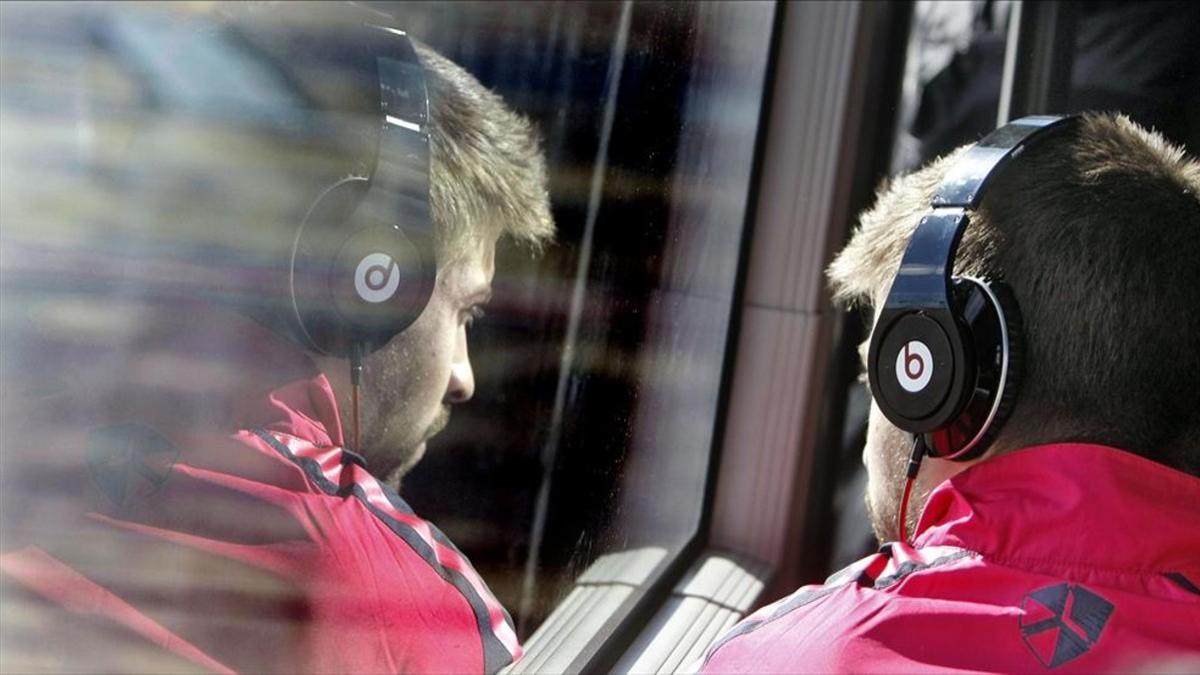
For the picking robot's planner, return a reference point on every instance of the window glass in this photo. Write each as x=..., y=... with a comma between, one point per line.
x=601, y=444
x=157, y=163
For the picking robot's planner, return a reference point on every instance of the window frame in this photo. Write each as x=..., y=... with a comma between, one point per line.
x=718, y=576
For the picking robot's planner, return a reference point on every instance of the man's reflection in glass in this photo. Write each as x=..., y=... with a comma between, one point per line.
x=190, y=501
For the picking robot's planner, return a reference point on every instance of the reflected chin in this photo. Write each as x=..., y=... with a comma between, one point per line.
x=410, y=459
x=415, y=455
x=407, y=458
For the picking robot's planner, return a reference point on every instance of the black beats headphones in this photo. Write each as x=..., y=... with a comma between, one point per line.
x=362, y=265
x=946, y=352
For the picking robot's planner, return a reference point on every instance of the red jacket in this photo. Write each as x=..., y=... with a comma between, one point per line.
x=268, y=549
x=1071, y=558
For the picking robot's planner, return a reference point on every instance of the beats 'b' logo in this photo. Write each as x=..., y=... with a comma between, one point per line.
x=376, y=278
x=914, y=366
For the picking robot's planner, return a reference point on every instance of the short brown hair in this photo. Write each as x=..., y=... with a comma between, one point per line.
x=487, y=173
x=1097, y=231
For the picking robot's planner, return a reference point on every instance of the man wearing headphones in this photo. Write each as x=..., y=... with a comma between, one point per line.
x=216, y=492
x=1033, y=450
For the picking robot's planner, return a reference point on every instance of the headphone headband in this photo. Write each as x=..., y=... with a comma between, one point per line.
x=964, y=183
x=362, y=264
x=401, y=173
x=923, y=279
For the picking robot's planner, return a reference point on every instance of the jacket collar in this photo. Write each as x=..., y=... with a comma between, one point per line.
x=1069, y=505
x=289, y=395
x=304, y=408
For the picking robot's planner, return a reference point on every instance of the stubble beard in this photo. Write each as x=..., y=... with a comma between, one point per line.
x=882, y=526
x=883, y=501
x=411, y=452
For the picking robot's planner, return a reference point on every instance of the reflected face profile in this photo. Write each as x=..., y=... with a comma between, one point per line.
x=409, y=386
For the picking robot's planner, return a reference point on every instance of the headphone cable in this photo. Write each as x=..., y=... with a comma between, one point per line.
x=355, y=378
x=914, y=465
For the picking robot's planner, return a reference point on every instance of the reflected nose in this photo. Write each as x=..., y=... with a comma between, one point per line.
x=462, y=379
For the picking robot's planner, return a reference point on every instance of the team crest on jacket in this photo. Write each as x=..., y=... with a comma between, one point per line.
x=1060, y=623
x=129, y=462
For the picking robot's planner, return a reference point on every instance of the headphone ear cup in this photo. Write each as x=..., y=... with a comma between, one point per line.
x=1014, y=324
x=991, y=322
x=356, y=280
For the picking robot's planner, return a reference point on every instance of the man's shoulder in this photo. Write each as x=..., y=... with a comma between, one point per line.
x=283, y=501
x=264, y=524
x=345, y=510
x=958, y=610
x=820, y=627
x=372, y=523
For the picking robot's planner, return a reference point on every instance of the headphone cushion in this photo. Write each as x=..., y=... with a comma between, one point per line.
x=1014, y=324
x=992, y=326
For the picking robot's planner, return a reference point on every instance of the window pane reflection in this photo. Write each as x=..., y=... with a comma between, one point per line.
x=146, y=147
